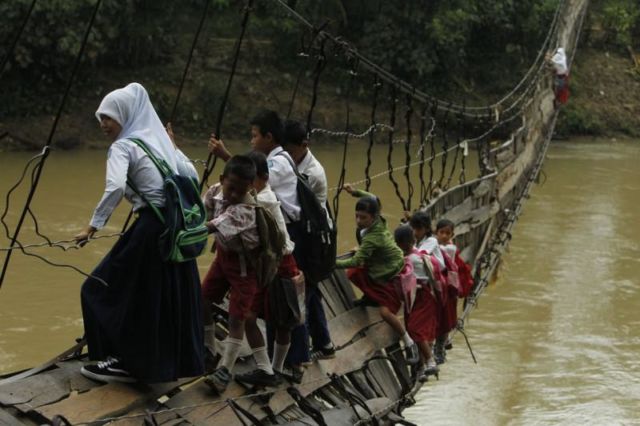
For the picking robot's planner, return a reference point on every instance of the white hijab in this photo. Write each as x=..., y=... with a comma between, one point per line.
x=559, y=61
x=132, y=109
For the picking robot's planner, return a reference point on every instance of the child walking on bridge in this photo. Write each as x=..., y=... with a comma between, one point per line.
x=421, y=317
x=376, y=264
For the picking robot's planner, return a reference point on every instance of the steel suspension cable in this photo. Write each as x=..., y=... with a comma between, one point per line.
x=392, y=123
x=423, y=136
x=432, y=144
x=225, y=98
x=196, y=37
x=407, y=151
x=336, y=199
x=321, y=62
x=54, y=127
x=374, y=107
x=17, y=37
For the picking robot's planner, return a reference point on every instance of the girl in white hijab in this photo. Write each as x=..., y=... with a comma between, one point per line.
x=146, y=324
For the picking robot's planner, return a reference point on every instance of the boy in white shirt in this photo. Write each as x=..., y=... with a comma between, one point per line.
x=297, y=145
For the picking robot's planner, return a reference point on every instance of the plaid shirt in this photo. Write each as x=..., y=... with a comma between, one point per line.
x=235, y=223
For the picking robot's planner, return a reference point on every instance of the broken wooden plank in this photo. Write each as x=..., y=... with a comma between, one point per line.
x=45, y=388
x=110, y=400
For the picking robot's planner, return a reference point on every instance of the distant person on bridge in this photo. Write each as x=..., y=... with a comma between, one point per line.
x=558, y=62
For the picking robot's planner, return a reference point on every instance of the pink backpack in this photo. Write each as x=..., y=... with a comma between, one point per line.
x=452, y=277
x=406, y=284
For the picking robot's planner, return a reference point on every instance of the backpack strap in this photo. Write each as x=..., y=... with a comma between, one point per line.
x=163, y=168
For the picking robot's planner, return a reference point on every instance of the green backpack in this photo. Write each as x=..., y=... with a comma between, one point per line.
x=184, y=216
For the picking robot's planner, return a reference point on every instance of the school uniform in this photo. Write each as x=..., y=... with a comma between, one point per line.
x=316, y=317
x=236, y=235
x=150, y=314
x=288, y=267
x=377, y=261
x=422, y=319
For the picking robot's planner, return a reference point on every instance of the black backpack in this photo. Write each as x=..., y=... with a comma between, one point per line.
x=318, y=246
x=185, y=236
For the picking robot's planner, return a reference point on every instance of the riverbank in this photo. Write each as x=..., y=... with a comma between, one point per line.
x=604, y=101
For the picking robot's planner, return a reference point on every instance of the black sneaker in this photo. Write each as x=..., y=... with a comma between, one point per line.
x=259, y=378
x=218, y=380
x=324, y=353
x=108, y=371
x=412, y=354
x=292, y=375
x=439, y=353
x=364, y=301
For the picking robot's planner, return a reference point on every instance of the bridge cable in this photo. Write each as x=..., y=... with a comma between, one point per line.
x=46, y=150
x=407, y=149
x=223, y=104
x=374, y=106
x=336, y=199
x=11, y=49
x=392, y=123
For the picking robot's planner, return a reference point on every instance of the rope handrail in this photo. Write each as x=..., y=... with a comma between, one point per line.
x=409, y=89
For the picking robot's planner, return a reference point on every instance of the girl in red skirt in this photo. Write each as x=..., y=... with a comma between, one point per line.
x=376, y=264
x=421, y=317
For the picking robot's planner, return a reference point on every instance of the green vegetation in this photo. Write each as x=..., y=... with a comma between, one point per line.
x=463, y=50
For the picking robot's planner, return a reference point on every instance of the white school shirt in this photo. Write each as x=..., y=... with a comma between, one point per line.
x=311, y=167
x=317, y=178
x=126, y=158
x=284, y=183
x=417, y=261
x=450, y=249
x=267, y=199
x=431, y=246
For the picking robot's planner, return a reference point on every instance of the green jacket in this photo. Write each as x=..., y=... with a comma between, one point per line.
x=378, y=251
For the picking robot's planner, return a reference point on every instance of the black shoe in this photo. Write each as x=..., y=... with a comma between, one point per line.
x=108, y=371
x=210, y=361
x=439, y=354
x=324, y=353
x=412, y=354
x=259, y=378
x=292, y=375
x=218, y=380
x=364, y=301
x=448, y=346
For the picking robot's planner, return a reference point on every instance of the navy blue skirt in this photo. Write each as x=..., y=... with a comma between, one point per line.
x=150, y=315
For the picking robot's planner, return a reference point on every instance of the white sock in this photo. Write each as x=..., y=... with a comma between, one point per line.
x=262, y=359
x=279, y=355
x=230, y=354
x=328, y=345
x=210, y=338
x=408, y=341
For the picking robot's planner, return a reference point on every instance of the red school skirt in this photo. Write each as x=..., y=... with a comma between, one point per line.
x=448, y=317
x=422, y=321
x=383, y=294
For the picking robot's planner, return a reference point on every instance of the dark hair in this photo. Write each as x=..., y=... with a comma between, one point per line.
x=403, y=235
x=260, y=161
x=295, y=133
x=268, y=121
x=368, y=204
x=445, y=223
x=241, y=166
x=421, y=220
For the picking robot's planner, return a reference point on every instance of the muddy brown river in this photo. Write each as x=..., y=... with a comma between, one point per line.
x=557, y=336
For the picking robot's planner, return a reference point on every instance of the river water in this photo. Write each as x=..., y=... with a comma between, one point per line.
x=556, y=336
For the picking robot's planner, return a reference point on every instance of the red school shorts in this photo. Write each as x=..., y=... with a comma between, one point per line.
x=224, y=276
x=383, y=294
x=422, y=321
x=448, y=310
